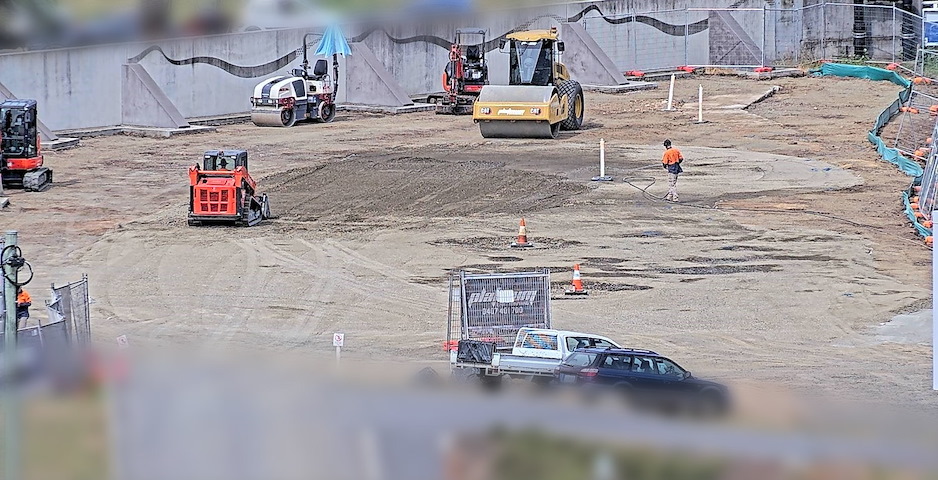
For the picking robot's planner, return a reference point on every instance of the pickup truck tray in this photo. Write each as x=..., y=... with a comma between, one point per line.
x=475, y=351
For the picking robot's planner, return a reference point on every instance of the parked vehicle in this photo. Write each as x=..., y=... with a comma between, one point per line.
x=536, y=354
x=643, y=377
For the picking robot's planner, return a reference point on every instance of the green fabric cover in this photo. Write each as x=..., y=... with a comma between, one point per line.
x=862, y=71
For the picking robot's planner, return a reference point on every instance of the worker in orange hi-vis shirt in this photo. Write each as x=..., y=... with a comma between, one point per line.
x=23, y=302
x=672, y=163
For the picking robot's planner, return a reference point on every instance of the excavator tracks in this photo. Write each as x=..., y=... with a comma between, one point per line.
x=37, y=180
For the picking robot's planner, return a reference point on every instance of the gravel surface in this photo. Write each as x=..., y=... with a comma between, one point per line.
x=780, y=285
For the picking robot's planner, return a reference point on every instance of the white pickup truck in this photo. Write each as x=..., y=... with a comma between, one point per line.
x=535, y=354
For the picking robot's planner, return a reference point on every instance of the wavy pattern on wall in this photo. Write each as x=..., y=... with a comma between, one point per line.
x=236, y=70
x=271, y=67
x=663, y=27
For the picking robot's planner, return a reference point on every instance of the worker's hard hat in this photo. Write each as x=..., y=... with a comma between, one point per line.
x=667, y=143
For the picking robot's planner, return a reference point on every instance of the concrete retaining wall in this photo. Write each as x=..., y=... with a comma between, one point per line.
x=211, y=76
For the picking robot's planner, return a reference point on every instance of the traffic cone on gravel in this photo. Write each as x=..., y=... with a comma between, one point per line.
x=576, y=287
x=522, y=241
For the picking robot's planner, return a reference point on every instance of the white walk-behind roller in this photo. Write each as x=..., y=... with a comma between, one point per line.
x=282, y=101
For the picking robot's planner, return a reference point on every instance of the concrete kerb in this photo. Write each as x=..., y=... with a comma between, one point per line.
x=61, y=143
x=625, y=88
x=664, y=75
x=772, y=91
x=355, y=107
x=783, y=73
x=138, y=131
x=158, y=132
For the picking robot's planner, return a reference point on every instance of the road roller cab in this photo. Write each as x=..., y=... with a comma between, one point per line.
x=540, y=98
x=309, y=94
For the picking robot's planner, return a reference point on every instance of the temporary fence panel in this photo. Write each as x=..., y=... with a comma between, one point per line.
x=926, y=63
x=929, y=187
x=928, y=196
x=794, y=36
x=909, y=38
x=748, y=37
x=71, y=303
x=916, y=124
x=645, y=41
x=662, y=38
x=493, y=307
x=735, y=37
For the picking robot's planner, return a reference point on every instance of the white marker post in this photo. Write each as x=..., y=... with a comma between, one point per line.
x=338, y=341
x=934, y=312
x=670, y=96
x=602, y=163
x=700, y=105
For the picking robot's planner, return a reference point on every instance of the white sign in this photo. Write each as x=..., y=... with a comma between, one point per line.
x=122, y=342
x=338, y=340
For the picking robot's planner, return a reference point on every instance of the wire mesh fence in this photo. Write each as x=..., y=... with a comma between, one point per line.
x=492, y=307
x=926, y=63
x=71, y=304
x=917, y=121
x=929, y=192
x=750, y=37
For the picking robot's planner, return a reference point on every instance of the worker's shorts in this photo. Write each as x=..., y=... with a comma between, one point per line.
x=22, y=313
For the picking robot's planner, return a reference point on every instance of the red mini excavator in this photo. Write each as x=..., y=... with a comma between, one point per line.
x=464, y=75
x=20, y=151
x=222, y=191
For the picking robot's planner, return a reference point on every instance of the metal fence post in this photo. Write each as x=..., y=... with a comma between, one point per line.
x=634, y=41
x=824, y=30
x=11, y=409
x=894, y=34
x=686, y=33
x=763, y=34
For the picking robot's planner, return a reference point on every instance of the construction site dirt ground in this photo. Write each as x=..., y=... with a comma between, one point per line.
x=785, y=284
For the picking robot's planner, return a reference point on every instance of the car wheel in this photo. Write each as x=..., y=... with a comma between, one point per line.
x=710, y=403
x=490, y=383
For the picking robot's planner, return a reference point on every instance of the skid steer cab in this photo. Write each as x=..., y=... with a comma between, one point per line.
x=223, y=192
x=540, y=98
x=20, y=150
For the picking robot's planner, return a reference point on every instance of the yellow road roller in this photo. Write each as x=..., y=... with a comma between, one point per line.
x=540, y=98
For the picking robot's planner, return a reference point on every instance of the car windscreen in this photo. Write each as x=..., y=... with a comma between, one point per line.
x=580, y=359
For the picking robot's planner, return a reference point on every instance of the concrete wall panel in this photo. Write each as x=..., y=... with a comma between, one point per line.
x=208, y=76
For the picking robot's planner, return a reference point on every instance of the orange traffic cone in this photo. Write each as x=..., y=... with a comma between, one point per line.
x=522, y=241
x=576, y=287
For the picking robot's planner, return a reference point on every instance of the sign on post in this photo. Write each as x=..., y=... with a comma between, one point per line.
x=338, y=341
